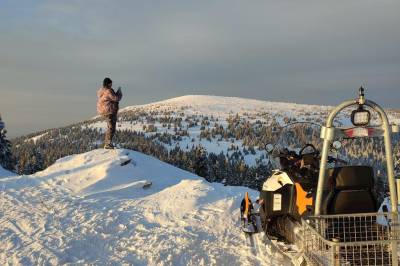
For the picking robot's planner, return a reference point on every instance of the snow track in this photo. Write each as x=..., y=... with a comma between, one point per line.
x=88, y=209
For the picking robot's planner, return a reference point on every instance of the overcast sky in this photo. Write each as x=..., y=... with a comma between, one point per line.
x=55, y=54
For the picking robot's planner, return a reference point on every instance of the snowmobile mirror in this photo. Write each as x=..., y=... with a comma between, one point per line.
x=269, y=147
x=336, y=145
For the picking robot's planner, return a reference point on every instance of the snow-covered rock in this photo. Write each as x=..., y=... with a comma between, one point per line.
x=92, y=208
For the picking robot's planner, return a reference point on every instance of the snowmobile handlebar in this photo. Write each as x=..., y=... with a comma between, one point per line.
x=336, y=160
x=315, y=151
x=292, y=155
x=292, y=160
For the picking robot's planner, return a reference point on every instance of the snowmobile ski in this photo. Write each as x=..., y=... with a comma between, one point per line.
x=249, y=219
x=290, y=251
x=147, y=185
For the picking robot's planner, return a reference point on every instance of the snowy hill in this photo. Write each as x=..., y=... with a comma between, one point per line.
x=219, y=138
x=191, y=117
x=92, y=208
x=222, y=106
x=198, y=120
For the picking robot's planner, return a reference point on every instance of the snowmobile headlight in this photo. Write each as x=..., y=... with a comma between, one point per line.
x=360, y=117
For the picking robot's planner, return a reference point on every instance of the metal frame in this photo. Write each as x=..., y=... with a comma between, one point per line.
x=329, y=133
x=351, y=239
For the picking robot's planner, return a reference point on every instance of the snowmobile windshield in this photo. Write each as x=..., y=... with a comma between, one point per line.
x=297, y=136
x=296, y=139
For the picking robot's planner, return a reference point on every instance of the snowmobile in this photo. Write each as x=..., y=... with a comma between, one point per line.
x=329, y=214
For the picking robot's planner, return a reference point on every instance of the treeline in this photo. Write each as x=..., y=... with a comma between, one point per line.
x=37, y=154
x=34, y=154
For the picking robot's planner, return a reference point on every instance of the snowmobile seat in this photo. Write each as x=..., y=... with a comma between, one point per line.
x=350, y=191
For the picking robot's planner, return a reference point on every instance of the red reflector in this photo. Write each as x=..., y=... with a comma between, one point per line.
x=359, y=132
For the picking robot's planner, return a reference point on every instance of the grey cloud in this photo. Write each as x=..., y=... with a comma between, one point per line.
x=297, y=51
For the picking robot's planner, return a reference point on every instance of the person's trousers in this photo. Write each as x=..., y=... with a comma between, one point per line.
x=111, y=120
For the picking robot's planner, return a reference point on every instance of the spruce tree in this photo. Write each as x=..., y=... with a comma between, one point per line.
x=6, y=159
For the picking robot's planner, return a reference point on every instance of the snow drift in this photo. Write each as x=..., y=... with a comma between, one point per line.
x=92, y=209
x=5, y=173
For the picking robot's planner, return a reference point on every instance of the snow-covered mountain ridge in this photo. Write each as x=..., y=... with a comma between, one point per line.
x=219, y=138
x=222, y=105
x=222, y=124
x=225, y=106
x=92, y=208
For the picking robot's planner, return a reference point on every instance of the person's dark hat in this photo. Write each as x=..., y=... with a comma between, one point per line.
x=106, y=82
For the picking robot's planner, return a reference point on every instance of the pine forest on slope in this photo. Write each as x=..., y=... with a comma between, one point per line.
x=219, y=138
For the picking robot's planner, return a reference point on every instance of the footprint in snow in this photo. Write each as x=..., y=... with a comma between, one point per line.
x=124, y=162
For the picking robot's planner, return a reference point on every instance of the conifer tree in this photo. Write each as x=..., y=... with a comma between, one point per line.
x=6, y=159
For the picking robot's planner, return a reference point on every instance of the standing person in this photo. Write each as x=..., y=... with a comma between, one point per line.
x=107, y=106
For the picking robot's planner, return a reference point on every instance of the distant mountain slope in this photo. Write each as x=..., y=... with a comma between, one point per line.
x=192, y=116
x=91, y=209
x=202, y=120
x=219, y=138
x=219, y=108
x=223, y=106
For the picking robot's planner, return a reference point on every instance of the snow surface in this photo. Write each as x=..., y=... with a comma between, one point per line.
x=36, y=138
x=89, y=209
x=5, y=173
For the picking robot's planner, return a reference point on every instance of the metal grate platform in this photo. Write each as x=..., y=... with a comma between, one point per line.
x=356, y=239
